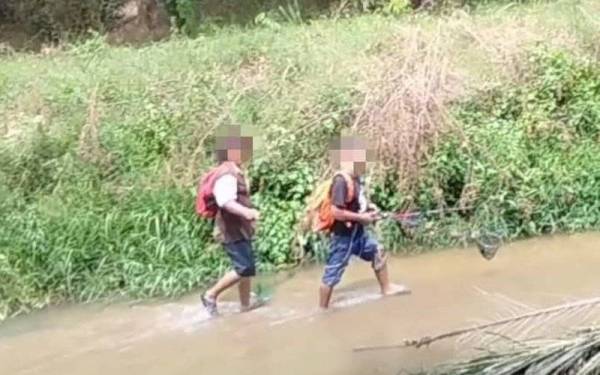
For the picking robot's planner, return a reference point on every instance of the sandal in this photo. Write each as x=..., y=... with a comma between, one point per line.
x=210, y=304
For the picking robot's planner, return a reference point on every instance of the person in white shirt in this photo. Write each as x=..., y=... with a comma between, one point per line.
x=235, y=221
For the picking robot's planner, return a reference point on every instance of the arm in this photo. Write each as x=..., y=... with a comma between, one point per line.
x=338, y=200
x=341, y=214
x=225, y=191
x=237, y=209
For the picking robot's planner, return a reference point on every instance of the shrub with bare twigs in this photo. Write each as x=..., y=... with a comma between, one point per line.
x=405, y=106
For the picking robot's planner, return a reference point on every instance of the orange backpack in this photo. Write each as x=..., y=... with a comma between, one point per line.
x=319, y=216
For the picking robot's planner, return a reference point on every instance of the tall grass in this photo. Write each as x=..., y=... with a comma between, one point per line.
x=101, y=147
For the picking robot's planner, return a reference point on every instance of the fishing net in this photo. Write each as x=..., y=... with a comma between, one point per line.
x=488, y=244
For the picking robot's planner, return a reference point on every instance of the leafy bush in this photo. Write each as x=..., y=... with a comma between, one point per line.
x=532, y=151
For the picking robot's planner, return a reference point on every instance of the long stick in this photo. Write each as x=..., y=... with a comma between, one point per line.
x=428, y=340
x=442, y=210
x=428, y=212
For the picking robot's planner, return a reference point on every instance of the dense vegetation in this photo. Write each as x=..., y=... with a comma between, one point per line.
x=57, y=20
x=101, y=147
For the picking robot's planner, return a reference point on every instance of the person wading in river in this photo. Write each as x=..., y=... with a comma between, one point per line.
x=224, y=195
x=344, y=212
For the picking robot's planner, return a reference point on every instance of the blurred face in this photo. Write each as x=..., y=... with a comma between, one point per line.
x=237, y=148
x=351, y=154
x=354, y=161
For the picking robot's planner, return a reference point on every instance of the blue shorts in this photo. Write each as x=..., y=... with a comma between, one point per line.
x=242, y=257
x=341, y=250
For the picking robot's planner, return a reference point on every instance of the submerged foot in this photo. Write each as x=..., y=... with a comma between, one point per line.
x=210, y=304
x=396, y=289
x=256, y=303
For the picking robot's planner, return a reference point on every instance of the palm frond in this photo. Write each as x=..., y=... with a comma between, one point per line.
x=577, y=354
x=522, y=324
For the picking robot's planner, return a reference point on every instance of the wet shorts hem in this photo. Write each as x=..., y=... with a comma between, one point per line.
x=242, y=257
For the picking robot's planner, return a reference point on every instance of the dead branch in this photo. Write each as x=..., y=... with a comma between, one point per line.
x=579, y=306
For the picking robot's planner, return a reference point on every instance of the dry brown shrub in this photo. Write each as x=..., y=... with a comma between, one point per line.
x=405, y=107
x=427, y=67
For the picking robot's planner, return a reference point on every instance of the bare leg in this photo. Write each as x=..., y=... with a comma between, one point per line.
x=227, y=281
x=244, y=288
x=325, y=293
x=383, y=278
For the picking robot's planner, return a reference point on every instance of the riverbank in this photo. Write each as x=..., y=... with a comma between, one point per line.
x=102, y=146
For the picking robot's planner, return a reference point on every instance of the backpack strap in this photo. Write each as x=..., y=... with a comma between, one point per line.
x=227, y=167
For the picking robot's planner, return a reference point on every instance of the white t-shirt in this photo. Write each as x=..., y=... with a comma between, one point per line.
x=225, y=189
x=362, y=201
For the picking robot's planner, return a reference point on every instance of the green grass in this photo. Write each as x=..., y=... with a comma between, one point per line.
x=101, y=147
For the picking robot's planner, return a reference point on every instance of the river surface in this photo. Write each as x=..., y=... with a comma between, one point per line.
x=450, y=289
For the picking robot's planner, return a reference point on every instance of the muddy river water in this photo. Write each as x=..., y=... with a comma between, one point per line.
x=451, y=289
